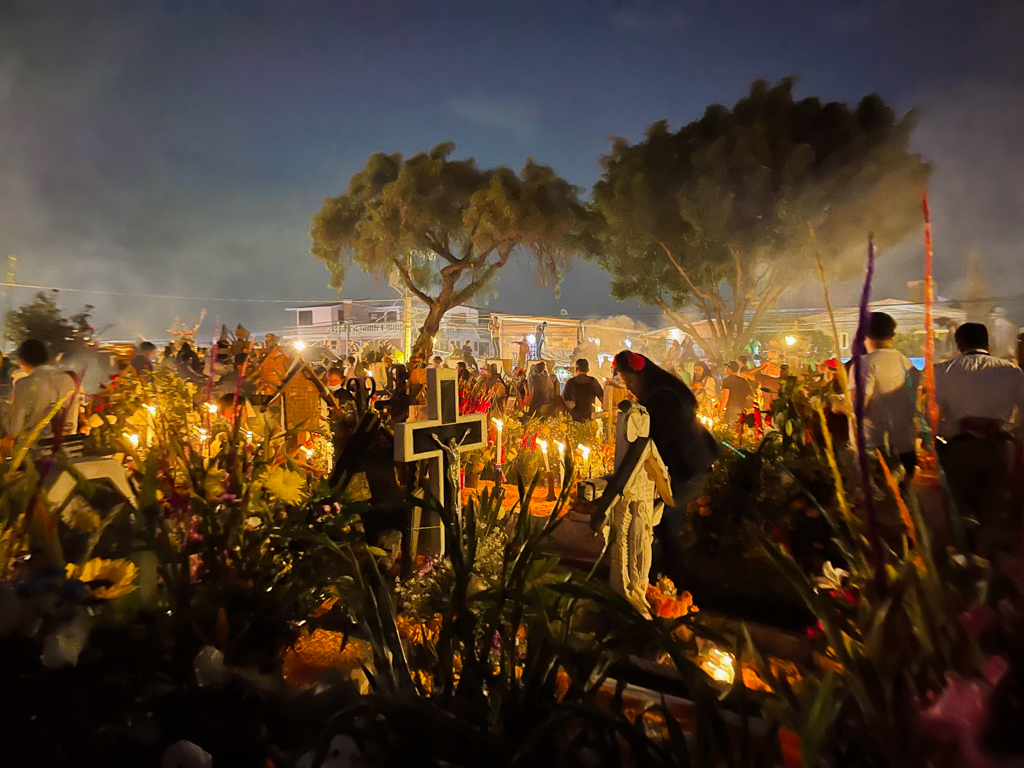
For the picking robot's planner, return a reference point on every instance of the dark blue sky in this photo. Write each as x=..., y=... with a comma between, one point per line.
x=180, y=147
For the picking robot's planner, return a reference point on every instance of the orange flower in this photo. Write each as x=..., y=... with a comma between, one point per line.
x=313, y=654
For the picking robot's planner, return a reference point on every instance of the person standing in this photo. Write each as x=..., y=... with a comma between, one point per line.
x=540, y=389
x=686, y=447
x=494, y=326
x=981, y=399
x=737, y=394
x=145, y=357
x=524, y=353
x=581, y=392
x=542, y=330
x=890, y=399
x=705, y=389
x=35, y=394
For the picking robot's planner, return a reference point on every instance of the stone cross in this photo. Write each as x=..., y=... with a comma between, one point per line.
x=423, y=441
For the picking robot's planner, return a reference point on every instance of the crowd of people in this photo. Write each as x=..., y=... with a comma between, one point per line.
x=979, y=397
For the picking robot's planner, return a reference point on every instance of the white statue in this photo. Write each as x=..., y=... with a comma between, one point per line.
x=630, y=503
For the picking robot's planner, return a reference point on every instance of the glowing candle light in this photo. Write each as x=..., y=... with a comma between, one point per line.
x=720, y=665
x=561, y=461
x=212, y=407
x=585, y=452
x=498, y=424
x=544, y=451
x=133, y=439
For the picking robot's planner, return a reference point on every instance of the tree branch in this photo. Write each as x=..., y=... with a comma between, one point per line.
x=441, y=249
x=407, y=279
x=678, y=266
x=470, y=290
x=683, y=324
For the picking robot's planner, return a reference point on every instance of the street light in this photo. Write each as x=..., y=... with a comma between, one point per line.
x=790, y=341
x=298, y=345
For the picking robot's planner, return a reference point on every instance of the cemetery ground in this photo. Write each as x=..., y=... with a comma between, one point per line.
x=237, y=601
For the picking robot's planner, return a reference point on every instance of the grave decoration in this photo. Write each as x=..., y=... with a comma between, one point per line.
x=627, y=510
x=442, y=437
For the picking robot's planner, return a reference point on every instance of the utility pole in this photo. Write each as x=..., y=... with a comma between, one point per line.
x=407, y=320
x=12, y=268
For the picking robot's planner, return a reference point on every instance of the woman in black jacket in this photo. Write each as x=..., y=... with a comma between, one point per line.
x=686, y=447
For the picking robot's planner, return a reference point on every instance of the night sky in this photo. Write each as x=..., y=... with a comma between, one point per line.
x=180, y=147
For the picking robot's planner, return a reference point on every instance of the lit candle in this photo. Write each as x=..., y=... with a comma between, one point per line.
x=498, y=424
x=561, y=462
x=585, y=451
x=544, y=450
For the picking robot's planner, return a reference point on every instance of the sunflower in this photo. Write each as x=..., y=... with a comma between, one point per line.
x=109, y=579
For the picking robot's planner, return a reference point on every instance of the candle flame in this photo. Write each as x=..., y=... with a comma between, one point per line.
x=543, y=446
x=720, y=665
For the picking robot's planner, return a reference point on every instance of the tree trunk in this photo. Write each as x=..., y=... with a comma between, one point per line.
x=423, y=348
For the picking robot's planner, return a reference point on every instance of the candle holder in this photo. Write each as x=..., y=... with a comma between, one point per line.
x=551, y=486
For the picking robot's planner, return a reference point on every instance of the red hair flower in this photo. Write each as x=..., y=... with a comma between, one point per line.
x=636, y=362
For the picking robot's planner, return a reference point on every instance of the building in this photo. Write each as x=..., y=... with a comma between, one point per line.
x=337, y=324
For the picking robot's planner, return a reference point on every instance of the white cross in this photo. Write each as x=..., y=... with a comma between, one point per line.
x=418, y=440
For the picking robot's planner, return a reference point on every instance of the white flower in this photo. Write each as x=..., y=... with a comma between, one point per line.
x=831, y=578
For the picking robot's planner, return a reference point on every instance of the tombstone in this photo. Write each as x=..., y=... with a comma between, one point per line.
x=505, y=367
x=301, y=402
x=430, y=440
x=60, y=485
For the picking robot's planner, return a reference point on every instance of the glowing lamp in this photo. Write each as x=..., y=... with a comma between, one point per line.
x=790, y=341
x=532, y=339
x=298, y=345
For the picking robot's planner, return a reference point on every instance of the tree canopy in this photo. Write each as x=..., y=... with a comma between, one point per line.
x=42, y=319
x=732, y=209
x=446, y=227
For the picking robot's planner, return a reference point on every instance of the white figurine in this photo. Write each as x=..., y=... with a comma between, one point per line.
x=630, y=501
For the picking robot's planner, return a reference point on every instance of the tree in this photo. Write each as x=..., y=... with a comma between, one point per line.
x=446, y=227
x=42, y=319
x=733, y=209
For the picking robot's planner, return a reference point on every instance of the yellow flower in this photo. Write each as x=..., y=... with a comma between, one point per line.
x=286, y=486
x=213, y=484
x=118, y=575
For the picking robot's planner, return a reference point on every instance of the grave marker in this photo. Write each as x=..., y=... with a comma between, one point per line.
x=419, y=441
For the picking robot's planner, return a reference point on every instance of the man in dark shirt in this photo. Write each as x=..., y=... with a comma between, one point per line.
x=540, y=390
x=741, y=394
x=581, y=391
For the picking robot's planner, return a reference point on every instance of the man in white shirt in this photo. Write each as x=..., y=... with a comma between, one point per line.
x=980, y=397
x=35, y=394
x=977, y=387
x=890, y=395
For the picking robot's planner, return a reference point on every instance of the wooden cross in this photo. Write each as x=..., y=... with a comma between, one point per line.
x=422, y=441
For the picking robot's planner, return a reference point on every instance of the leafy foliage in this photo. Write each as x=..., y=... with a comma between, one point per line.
x=42, y=319
x=445, y=227
x=732, y=209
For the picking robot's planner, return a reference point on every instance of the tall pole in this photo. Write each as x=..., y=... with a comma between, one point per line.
x=12, y=268
x=407, y=320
